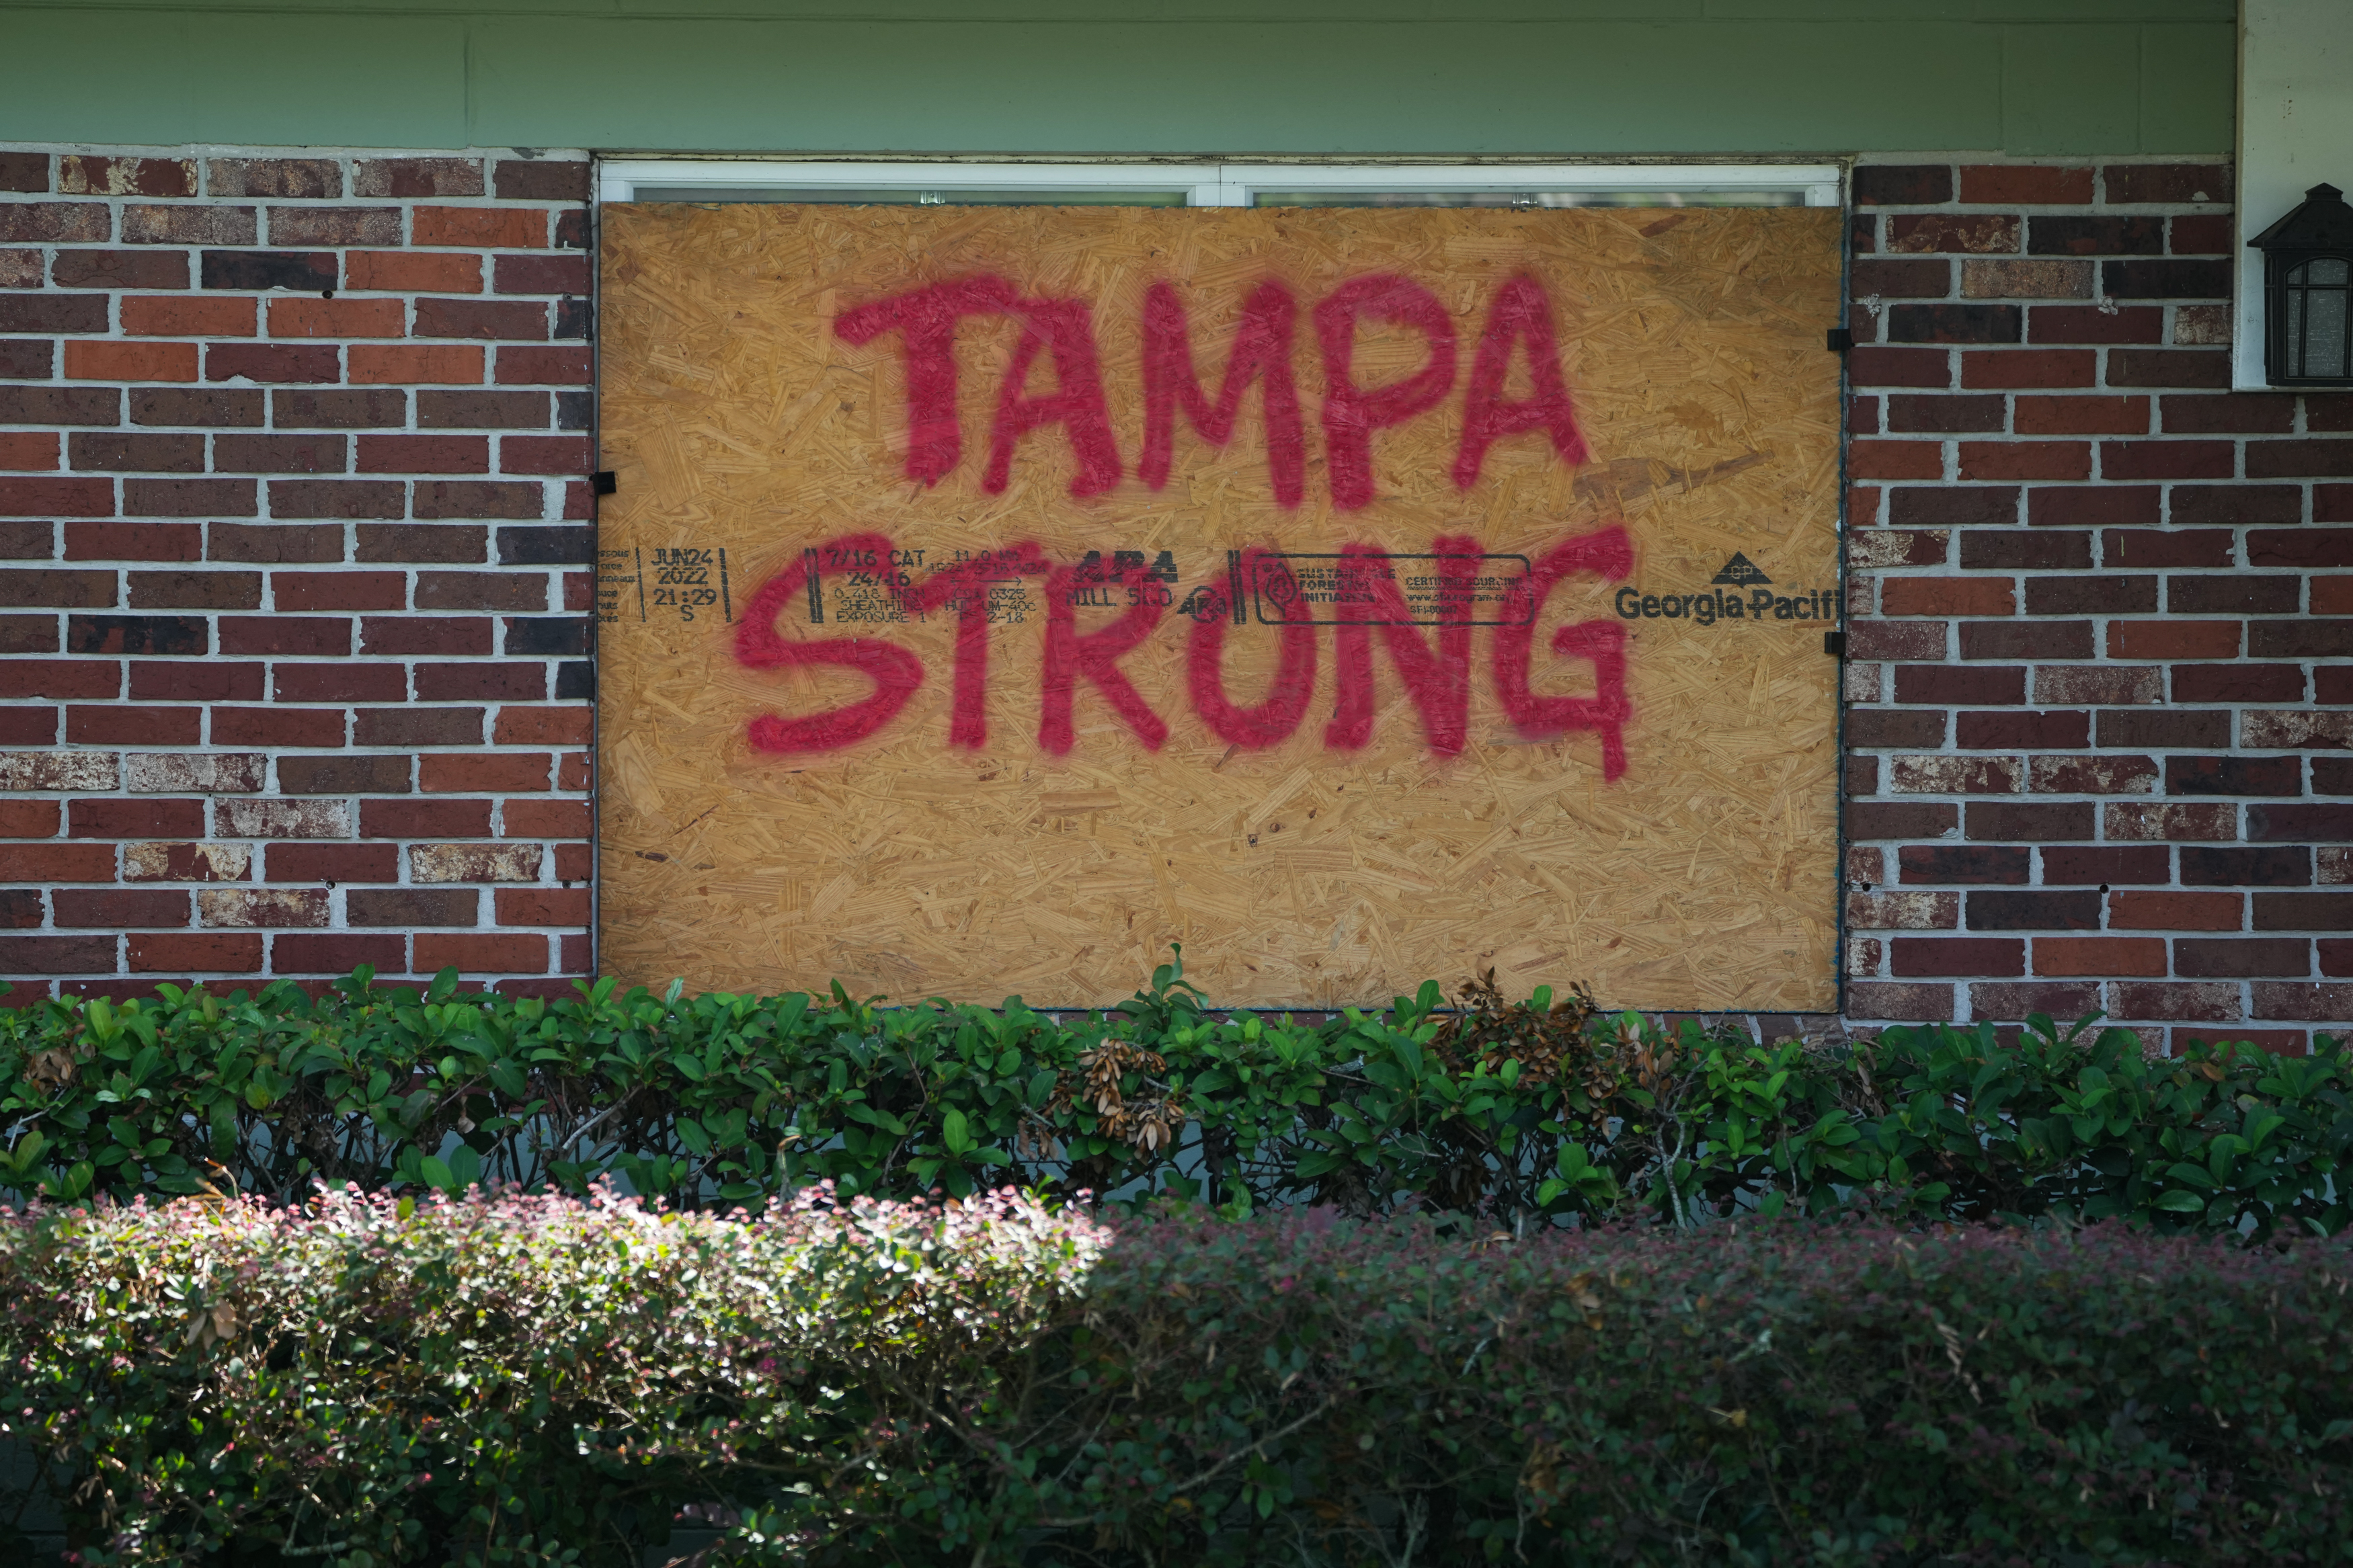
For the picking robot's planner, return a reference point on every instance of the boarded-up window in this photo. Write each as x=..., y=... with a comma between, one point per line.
x=995, y=595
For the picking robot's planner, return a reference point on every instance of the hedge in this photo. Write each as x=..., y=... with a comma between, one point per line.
x=1545, y=1111
x=373, y=1381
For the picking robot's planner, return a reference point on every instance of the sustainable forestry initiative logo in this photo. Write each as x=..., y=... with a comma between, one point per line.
x=1713, y=603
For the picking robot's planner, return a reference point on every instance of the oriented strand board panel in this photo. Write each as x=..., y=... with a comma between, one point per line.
x=959, y=636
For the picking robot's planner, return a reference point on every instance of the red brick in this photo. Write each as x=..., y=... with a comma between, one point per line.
x=540, y=274
x=418, y=727
x=27, y=587
x=2303, y=458
x=57, y=862
x=520, y=321
x=2093, y=324
x=334, y=226
x=60, y=678
x=276, y=542
x=187, y=315
x=572, y=770
x=510, y=228
x=480, y=955
x=83, y=176
x=195, y=681
x=2169, y=183
x=2026, y=460
x=118, y=725
x=425, y=819
x=1947, y=596
x=389, y=364
x=332, y=863
x=546, y=819
x=2166, y=911
x=463, y=499
x=526, y=365
x=337, y=498
x=413, y=272
x=424, y=454
x=2141, y=549
x=2173, y=639
x=428, y=635
x=575, y=862
x=411, y=177
x=2169, y=367
x=57, y=955
x=308, y=318
x=137, y=451
x=277, y=727
x=120, y=907
x=148, y=819
x=282, y=634
x=116, y=360
x=1956, y=957
x=572, y=726
x=1877, y=366
x=550, y=455
x=2097, y=774
x=310, y=179
x=310, y=452
x=2082, y=416
x=2029, y=367
x=1895, y=459
x=2025, y=184
x=444, y=773
x=302, y=591
x=2094, y=955
x=543, y=906
x=1908, y=280
x=28, y=819
x=56, y=223
x=28, y=451
x=306, y=954
x=217, y=953
x=1981, y=233
x=1903, y=184
x=342, y=681
x=282, y=364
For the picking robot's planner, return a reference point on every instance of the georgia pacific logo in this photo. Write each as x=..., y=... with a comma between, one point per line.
x=1713, y=604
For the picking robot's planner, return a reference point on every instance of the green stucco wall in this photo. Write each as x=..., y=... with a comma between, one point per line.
x=1173, y=77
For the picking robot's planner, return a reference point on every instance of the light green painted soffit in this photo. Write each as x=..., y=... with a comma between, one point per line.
x=1149, y=77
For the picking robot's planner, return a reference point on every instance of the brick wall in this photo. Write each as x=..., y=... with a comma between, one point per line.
x=2098, y=726
x=292, y=451
x=295, y=520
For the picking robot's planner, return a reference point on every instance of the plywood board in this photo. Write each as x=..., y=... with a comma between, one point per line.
x=1425, y=802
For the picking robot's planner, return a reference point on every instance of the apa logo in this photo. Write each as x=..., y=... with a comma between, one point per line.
x=1714, y=604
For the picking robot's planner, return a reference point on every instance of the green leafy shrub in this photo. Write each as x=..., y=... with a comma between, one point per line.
x=1542, y=1111
x=369, y=1382
x=372, y=1381
x=1304, y=1389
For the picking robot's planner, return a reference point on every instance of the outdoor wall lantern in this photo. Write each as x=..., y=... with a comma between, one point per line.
x=2307, y=288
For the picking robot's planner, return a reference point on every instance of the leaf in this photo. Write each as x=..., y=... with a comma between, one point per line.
x=2179, y=1201
x=954, y=1135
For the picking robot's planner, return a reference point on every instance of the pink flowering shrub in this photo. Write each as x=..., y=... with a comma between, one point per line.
x=366, y=1380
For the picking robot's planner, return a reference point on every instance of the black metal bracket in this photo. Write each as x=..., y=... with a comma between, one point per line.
x=603, y=483
x=1840, y=339
x=1835, y=644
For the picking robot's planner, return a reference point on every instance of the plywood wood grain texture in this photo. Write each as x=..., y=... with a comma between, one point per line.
x=1705, y=877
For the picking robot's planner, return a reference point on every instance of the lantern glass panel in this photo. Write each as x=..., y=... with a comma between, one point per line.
x=2318, y=293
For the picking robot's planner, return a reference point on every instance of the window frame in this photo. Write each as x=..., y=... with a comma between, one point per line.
x=1218, y=185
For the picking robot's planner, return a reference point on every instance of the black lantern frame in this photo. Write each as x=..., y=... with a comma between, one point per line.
x=2308, y=292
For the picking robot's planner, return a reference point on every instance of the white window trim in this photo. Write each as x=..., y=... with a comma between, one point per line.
x=1221, y=185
